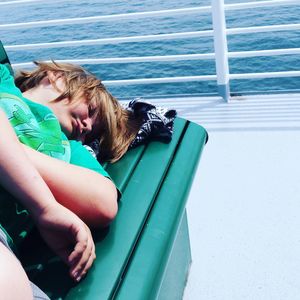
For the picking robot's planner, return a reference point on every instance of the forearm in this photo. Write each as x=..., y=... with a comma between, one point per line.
x=62, y=230
x=17, y=173
x=88, y=194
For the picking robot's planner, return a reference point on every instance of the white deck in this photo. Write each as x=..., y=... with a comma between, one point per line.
x=244, y=207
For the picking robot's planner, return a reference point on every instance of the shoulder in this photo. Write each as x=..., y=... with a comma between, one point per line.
x=13, y=105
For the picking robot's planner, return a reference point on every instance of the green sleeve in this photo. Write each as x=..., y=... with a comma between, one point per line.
x=80, y=156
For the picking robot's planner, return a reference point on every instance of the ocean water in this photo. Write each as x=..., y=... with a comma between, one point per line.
x=69, y=9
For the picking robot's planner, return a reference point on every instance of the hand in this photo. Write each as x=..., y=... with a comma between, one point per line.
x=68, y=237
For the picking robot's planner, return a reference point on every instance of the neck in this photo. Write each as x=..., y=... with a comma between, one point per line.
x=32, y=95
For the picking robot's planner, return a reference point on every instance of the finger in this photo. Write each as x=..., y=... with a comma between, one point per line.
x=84, y=268
x=81, y=244
x=80, y=237
x=89, y=262
x=77, y=253
x=81, y=263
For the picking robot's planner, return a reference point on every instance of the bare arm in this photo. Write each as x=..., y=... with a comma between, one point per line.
x=88, y=194
x=65, y=233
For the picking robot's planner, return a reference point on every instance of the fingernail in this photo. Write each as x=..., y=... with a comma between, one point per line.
x=75, y=274
x=78, y=278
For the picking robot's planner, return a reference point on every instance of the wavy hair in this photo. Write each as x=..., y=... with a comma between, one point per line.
x=115, y=127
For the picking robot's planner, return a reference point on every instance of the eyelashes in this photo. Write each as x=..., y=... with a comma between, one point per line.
x=92, y=111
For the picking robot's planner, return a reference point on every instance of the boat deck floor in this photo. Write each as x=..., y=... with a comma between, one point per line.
x=244, y=206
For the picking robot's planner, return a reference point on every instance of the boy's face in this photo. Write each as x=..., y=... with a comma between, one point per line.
x=75, y=117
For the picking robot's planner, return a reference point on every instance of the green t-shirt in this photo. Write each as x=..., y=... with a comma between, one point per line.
x=34, y=124
x=37, y=127
x=80, y=156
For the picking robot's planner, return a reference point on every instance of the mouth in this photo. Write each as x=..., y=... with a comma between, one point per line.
x=77, y=133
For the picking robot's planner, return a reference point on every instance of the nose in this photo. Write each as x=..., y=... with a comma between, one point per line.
x=86, y=125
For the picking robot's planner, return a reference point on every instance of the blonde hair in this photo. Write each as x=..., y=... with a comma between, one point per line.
x=117, y=126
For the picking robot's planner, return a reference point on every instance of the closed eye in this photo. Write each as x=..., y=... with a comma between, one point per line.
x=92, y=111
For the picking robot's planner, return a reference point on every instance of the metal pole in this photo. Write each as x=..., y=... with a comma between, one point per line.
x=221, y=50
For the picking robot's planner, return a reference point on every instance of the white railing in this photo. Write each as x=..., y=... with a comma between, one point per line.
x=116, y=17
x=219, y=33
x=18, y=2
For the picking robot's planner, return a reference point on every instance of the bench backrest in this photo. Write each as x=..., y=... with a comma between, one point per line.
x=4, y=58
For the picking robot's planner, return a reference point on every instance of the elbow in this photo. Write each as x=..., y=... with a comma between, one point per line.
x=106, y=216
x=105, y=211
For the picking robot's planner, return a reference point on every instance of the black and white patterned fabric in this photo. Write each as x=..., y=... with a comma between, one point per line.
x=157, y=124
x=93, y=148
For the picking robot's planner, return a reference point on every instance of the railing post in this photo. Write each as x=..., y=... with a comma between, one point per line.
x=220, y=45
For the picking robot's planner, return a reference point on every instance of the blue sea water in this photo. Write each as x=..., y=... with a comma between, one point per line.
x=70, y=9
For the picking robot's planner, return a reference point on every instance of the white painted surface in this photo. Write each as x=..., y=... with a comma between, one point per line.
x=244, y=216
x=244, y=207
x=220, y=42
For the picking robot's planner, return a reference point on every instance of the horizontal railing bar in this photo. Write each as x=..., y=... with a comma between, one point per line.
x=166, y=58
x=161, y=80
x=202, y=78
x=256, y=4
x=118, y=60
x=154, y=37
x=18, y=2
x=255, y=29
x=273, y=52
x=236, y=6
x=118, y=40
x=116, y=17
x=119, y=17
x=265, y=75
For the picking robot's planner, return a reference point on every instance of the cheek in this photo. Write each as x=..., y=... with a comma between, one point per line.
x=65, y=121
x=66, y=129
x=80, y=110
x=62, y=116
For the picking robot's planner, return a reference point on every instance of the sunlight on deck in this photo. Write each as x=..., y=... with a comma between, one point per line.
x=244, y=207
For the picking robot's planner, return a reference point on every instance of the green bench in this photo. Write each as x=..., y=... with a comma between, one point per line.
x=145, y=253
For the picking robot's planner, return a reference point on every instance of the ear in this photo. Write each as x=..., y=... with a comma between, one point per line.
x=55, y=80
x=46, y=81
x=53, y=76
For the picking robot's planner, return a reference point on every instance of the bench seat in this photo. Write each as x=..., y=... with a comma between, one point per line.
x=145, y=253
